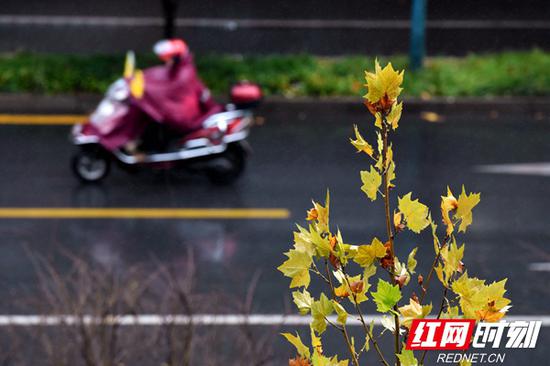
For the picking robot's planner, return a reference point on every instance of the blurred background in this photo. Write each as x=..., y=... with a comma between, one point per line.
x=261, y=27
x=476, y=112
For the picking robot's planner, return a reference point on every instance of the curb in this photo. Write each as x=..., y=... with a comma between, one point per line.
x=23, y=103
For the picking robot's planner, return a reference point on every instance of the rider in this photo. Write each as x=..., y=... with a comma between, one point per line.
x=174, y=94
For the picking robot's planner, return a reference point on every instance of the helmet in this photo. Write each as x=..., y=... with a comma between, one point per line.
x=167, y=49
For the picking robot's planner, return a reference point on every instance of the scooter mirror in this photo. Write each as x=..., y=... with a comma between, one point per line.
x=129, y=64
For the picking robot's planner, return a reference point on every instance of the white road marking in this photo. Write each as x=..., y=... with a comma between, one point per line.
x=541, y=169
x=540, y=267
x=199, y=319
x=232, y=24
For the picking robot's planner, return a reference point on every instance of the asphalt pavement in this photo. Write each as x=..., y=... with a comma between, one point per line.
x=298, y=154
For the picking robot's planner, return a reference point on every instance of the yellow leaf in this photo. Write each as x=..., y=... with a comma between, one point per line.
x=448, y=204
x=358, y=290
x=401, y=272
x=316, y=342
x=320, y=242
x=367, y=254
x=320, y=214
x=413, y=311
x=341, y=312
x=391, y=173
x=360, y=144
x=490, y=314
x=371, y=182
x=452, y=261
x=478, y=299
x=411, y=261
x=302, y=241
x=295, y=340
x=297, y=267
x=493, y=295
x=379, y=144
x=341, y=291
x=389, y=157
x=300, y=279
x=434, y=234
x=406, y=358
x=395, y=115
x=389, y=162
x=303, y=301
x=452, y=256
x=451, y=313
x=467, y=288
x=384, y=82
x=378, y=120
x=320, y=309
x=415, y=213
x=466, y=202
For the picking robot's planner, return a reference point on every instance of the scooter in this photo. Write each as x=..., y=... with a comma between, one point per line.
x=219, y=148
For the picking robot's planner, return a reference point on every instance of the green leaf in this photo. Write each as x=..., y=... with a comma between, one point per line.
x=295, y=340
x=371, y=182
x=341, y=312
x=297, y=267
x=366, y=254
x=411, y=261
x=320, y=309
x=407, y=358
x=416, y=213
x=303, y=301
x=386, y=296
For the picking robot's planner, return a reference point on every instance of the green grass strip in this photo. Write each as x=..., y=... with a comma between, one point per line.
x=508, y=73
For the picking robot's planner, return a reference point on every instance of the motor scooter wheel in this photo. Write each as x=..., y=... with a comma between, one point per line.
x=90, y=165
x=233, y=163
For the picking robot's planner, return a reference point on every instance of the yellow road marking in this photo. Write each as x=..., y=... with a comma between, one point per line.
x=41, y=119
x=144, y=213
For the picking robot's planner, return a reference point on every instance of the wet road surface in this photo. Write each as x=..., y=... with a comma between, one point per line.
x=296, y=157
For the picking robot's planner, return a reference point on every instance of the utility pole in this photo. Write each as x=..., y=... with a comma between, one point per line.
x=418, y=34
x=169, y=10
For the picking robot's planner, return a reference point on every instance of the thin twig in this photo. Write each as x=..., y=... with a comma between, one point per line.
x=365, y=327
x=316, y=271
x=385, y=133
x=432, y=269
x=441, y=307
x=343, y=327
